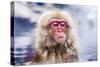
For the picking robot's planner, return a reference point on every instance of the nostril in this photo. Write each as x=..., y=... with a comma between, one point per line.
x=59, y=30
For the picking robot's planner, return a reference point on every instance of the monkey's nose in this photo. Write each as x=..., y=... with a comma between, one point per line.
x=59, y=30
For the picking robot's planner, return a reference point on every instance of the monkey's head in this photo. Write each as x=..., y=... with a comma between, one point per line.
x=55, y=28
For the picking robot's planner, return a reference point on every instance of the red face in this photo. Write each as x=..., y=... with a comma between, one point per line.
x=59, y=27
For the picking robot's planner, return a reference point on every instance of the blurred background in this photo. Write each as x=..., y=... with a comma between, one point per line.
x=24, y=16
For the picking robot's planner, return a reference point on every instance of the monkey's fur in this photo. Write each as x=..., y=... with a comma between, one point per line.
x=48, y=51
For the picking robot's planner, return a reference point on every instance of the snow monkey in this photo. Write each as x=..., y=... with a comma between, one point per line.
x=56, y=39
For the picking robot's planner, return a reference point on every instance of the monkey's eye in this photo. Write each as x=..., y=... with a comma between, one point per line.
x=63, y=24
x=55, y=24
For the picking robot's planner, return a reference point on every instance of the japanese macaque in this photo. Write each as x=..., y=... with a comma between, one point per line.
x=56, y=39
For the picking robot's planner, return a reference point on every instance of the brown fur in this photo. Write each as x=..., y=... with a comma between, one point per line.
x=48, y=51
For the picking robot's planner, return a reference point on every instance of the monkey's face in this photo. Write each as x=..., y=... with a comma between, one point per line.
x=58, y=27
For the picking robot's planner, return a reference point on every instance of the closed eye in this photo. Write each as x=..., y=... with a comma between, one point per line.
x=55, y=24
x=63, y=23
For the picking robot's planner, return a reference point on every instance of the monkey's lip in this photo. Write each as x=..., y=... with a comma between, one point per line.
x=59, y=37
